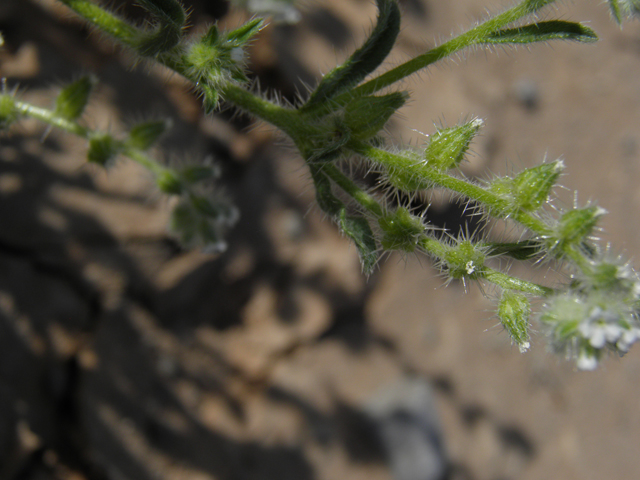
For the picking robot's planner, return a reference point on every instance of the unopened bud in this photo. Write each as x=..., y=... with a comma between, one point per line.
x=73, y=98
x=448, y=146
x=513, y=311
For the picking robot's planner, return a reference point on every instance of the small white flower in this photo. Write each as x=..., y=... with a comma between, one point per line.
x=586, y=361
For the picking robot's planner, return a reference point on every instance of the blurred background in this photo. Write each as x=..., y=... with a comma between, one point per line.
x=123, y=356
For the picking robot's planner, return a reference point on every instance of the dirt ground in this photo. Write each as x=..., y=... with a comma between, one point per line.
x=123, y=356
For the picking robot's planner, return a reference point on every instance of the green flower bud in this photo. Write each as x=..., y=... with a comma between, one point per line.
x=401, y=229
x=533, y=185
x=8, y=111
x=530, y=189
x=514, y=310
x=144, y=135
x=103, y=148
x=74, y=98
x=464, y=260
x=447, y=147
x=574, y=227
x=169, y=182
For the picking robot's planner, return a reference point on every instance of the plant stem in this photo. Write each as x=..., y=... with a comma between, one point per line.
x=49, y=117
x=431, y=245
x=498, y=206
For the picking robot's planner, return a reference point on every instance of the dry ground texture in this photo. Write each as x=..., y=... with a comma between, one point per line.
x=123, y=356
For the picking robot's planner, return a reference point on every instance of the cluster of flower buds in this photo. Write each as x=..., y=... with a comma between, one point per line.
x=218, y=58
x=201, y=217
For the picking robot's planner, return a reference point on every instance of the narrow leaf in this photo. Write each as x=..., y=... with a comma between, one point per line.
x=543, y=32
x=364, y=60
x=359, y=231
x=356, y=228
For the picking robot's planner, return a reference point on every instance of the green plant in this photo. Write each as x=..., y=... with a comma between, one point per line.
x=595, y=312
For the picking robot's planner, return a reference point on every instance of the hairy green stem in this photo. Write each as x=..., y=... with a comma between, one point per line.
x=355, y=192
x=497, y=205
x=474, y=36
x=432, y=246
x=50, y=117
x=105, y=20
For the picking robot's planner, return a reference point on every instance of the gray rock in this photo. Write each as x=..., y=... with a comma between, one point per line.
x=407, y=422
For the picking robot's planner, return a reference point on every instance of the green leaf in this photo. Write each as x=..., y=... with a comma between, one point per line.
x=73, y=99
x=356, y=228
x=359, y=231
x=364, y=60
x=542, y=32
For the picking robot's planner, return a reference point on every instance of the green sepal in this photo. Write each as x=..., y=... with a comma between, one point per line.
x=447, y=146
x=542, y=32
x=514, y=310
x=364, y=60
x=210, y=98
x=144, y=135
x=8, y=111
x=624, y=8
x=365, y=116
x=73, y=99
x=211, y=37
x=356, y=228
x=103, y=148
x=615, y=11
x=240, y=36
x=401, y=230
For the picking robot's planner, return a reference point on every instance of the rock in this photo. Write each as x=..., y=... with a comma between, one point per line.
x=407, y=423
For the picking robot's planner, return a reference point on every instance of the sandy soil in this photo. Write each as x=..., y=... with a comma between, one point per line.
x=123, y=356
